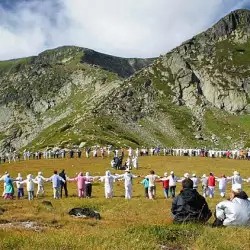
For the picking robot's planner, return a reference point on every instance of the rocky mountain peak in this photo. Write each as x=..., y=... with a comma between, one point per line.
x=239, y=19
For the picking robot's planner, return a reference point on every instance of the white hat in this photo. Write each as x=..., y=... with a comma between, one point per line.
x=165, y=174
x=204, y=176
x=236, y=173
x=194, y=175
x=236, y=188
x=186, y=175
x=172, y=172
x=40, y=173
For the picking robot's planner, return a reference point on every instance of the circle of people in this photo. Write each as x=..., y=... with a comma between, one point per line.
x=188, y=206
x=84, y=183
x=132, y=154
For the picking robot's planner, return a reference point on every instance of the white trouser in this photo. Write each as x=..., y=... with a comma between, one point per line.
x=222, y=192
x=56, y=192
x=128, y=191
x=211, y=191
x=108, y=192
x=40, y=189
x=151, y=192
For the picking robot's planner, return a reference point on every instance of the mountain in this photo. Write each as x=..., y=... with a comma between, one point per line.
x=196, y=95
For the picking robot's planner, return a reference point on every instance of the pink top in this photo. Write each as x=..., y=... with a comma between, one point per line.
x=80, y=181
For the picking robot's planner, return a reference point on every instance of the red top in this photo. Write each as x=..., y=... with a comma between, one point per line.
x=165, y=183
x=211, y=181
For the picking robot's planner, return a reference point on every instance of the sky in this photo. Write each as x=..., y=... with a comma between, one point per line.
x=126, y=28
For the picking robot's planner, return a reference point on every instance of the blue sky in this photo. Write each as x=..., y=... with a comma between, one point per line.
x=128, y=28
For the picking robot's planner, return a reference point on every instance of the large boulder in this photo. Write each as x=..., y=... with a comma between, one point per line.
x=84, y=212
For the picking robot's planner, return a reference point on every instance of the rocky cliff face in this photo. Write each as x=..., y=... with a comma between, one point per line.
x=195, y=95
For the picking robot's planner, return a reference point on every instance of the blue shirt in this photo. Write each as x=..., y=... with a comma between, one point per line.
x=56, y=180
x=145, y=182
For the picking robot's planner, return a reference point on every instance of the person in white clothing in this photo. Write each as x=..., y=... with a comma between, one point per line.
x=128, y=163
x=236, y=179
x=152, y=177
x=135, y=162
x=128, y=177
x=204, y=184
x=130, y=152
x=30, y=186
x=40, y=183
x=20, y=191
x=137, y=152
x=2, y=178
x=108, y=180
x=195, y=181
x=222, y=185
x=172, y=183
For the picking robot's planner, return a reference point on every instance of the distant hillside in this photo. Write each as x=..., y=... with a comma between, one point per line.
x=196, y=95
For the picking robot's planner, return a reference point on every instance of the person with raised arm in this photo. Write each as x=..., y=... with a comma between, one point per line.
x=56, y=184
x=127, y=177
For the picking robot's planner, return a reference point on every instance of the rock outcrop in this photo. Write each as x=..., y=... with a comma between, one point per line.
x=195, y=95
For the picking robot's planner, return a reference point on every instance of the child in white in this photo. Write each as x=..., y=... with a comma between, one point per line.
x=40, y=184
x=222, y=185
x=30, y=186
x=20, y=192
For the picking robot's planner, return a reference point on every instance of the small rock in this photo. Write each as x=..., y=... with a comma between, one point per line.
x=2, y=211
x=47, y=203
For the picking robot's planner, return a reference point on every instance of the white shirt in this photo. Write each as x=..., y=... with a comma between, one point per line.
x=40, y=180
x=222, y=183
x=195, y=181
x=172, y=180
x=151, y=179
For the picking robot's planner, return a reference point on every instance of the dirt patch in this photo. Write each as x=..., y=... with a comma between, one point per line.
x=29, y=225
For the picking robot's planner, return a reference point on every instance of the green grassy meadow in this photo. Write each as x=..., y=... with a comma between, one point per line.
x=125, y=224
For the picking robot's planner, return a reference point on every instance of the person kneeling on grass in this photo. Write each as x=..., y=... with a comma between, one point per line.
x=235, y=211
x=189, y=205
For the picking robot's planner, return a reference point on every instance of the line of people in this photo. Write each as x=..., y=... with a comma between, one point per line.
x=208, y=184
x=84, y=184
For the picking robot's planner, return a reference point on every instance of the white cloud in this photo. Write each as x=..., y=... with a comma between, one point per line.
x=129, y=28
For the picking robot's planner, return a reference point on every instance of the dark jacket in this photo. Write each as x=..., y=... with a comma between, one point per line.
x=190, y=206
x=63, y=175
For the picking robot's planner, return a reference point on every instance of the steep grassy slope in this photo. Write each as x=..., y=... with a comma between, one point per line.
x=196, y=95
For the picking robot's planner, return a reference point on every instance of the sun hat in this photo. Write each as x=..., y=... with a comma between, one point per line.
x=236, y=188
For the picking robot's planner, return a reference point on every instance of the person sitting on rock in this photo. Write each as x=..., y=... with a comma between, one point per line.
x=235, y=211
x=189, y=205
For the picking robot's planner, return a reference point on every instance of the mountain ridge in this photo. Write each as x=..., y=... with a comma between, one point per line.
x=71, y=95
